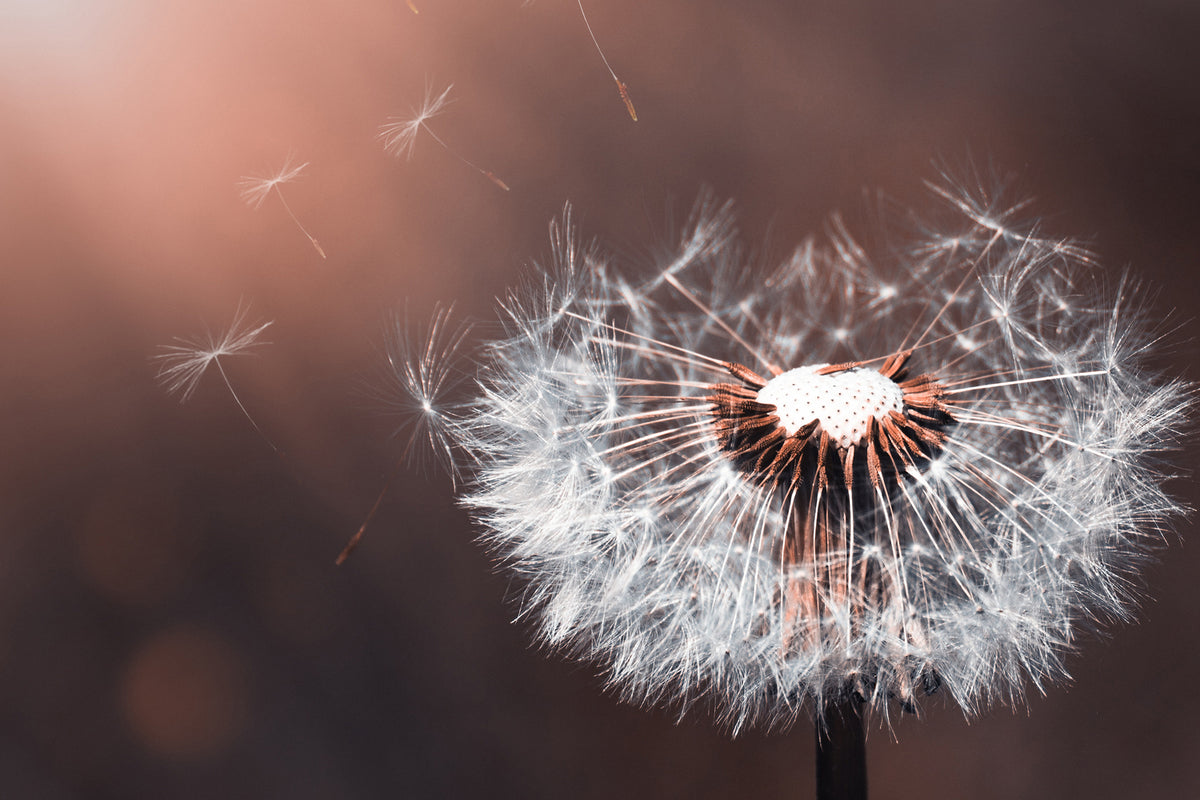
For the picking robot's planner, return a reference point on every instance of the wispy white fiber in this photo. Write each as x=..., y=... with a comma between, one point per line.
x=254, y=189
x=184, y=363
x=399, y=133
x=423, y=373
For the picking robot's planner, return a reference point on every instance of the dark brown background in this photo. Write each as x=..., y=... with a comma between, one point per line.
x=171, y=624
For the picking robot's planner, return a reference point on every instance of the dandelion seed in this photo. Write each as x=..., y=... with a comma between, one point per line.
x=421, y=375
x=622, y=89
x=184, y=364
x=399, y=134
x=412, y=7
x=866, y=475
x=254, y=191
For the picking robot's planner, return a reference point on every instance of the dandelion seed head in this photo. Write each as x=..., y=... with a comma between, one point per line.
x=886, y=473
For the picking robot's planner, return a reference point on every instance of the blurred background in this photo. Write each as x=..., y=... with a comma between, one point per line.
x=171, y=621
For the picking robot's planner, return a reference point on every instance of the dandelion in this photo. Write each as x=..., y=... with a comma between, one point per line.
x=184, y=364
x=421, y=375
x=622, y=89
x=254, y=191
x=399, y=134
x=853, y=480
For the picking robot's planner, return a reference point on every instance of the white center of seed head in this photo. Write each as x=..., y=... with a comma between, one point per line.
x=843, y=402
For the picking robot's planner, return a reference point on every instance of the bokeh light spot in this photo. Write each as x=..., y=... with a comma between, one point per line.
x=184, y=693
x=133, y=547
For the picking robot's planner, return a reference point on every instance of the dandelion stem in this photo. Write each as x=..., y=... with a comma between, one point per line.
x=842, y=751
